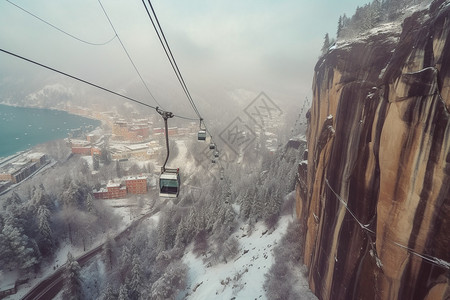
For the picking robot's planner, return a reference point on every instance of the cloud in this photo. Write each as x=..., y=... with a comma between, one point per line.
x=220, y=46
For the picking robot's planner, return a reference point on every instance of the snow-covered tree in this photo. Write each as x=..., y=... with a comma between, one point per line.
x=13, y=204
x=6, y=253
x=170, y=283
x=109, y=293
x=167, y=230
x=123, y=292
x=183, y=236
x=125, y=257
x=19, y=251
x=96, y=162
x=108, y=252
x=45, y=241
x=90, y=204
x=136, y=280
x=72, y=281
x=43, y=215
x=71, y=195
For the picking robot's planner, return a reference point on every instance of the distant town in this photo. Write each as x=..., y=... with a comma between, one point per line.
x=119, y=140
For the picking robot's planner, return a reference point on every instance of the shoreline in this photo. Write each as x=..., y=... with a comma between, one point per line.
x=28, y=148
x=51, y=108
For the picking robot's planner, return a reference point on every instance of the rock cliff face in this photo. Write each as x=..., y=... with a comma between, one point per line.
x=375, y=194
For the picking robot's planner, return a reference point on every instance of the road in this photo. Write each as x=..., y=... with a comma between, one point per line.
x=53, y=284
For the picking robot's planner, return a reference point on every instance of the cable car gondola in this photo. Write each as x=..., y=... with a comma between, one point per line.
x=169, y=183
x=201, y=132
x=201, y=135
x=169, y=179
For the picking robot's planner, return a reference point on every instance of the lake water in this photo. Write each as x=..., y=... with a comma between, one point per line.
x=22, y=128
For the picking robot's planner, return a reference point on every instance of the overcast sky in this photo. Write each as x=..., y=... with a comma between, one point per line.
x=226, y=50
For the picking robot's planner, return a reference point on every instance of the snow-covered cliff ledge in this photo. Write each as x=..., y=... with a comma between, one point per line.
x=376, y=197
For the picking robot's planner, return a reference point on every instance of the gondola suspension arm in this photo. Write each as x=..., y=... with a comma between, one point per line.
x=166, y=115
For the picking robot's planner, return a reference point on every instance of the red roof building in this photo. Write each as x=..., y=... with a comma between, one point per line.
x=114, y=190
x=136, y=185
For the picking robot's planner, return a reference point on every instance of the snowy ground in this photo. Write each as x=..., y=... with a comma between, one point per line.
x=242, y=278
x=180, y=161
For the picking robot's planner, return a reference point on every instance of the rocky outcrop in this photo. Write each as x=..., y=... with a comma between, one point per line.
x=376, y=198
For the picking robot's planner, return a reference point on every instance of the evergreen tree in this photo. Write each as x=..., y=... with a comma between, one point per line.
x=108, y=252
x=18, y=249
x=125, y=260
x=135, y=284
x=105, y=156
x=123, y=292
x=119, y=170
x=13, y=205
x=170, y=283
x=326, y=44
x=183, y=235
x=96, y=162
x=376, y=12
x=43, y=215
x=109, y=293
x=72, y=280
x=90, y=204
x=6, y=253
x=71, y=195
x=339, y=28
x=45, y=232
x=67, y=181
x=167, y=230
x=245, y=206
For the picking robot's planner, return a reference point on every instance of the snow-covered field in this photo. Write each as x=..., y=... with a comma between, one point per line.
x=244, y=276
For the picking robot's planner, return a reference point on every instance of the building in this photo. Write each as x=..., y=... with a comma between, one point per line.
x=133, y=132
x=136, y=185
x=82, y=150
x=81, y=147
x=22, y=167
x=4, y=185
x=137, y=151
x=116, y=190
x=112, y=190
x=120, y=189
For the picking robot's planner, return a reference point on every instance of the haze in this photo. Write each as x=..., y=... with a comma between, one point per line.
x=228, y=51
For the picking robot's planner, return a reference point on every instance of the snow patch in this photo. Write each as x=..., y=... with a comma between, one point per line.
x=242, y=278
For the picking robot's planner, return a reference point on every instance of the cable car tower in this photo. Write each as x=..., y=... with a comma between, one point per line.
x=169, y=179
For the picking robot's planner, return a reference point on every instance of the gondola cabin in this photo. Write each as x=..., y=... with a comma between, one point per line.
x=169, y=183
x=202, y=135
